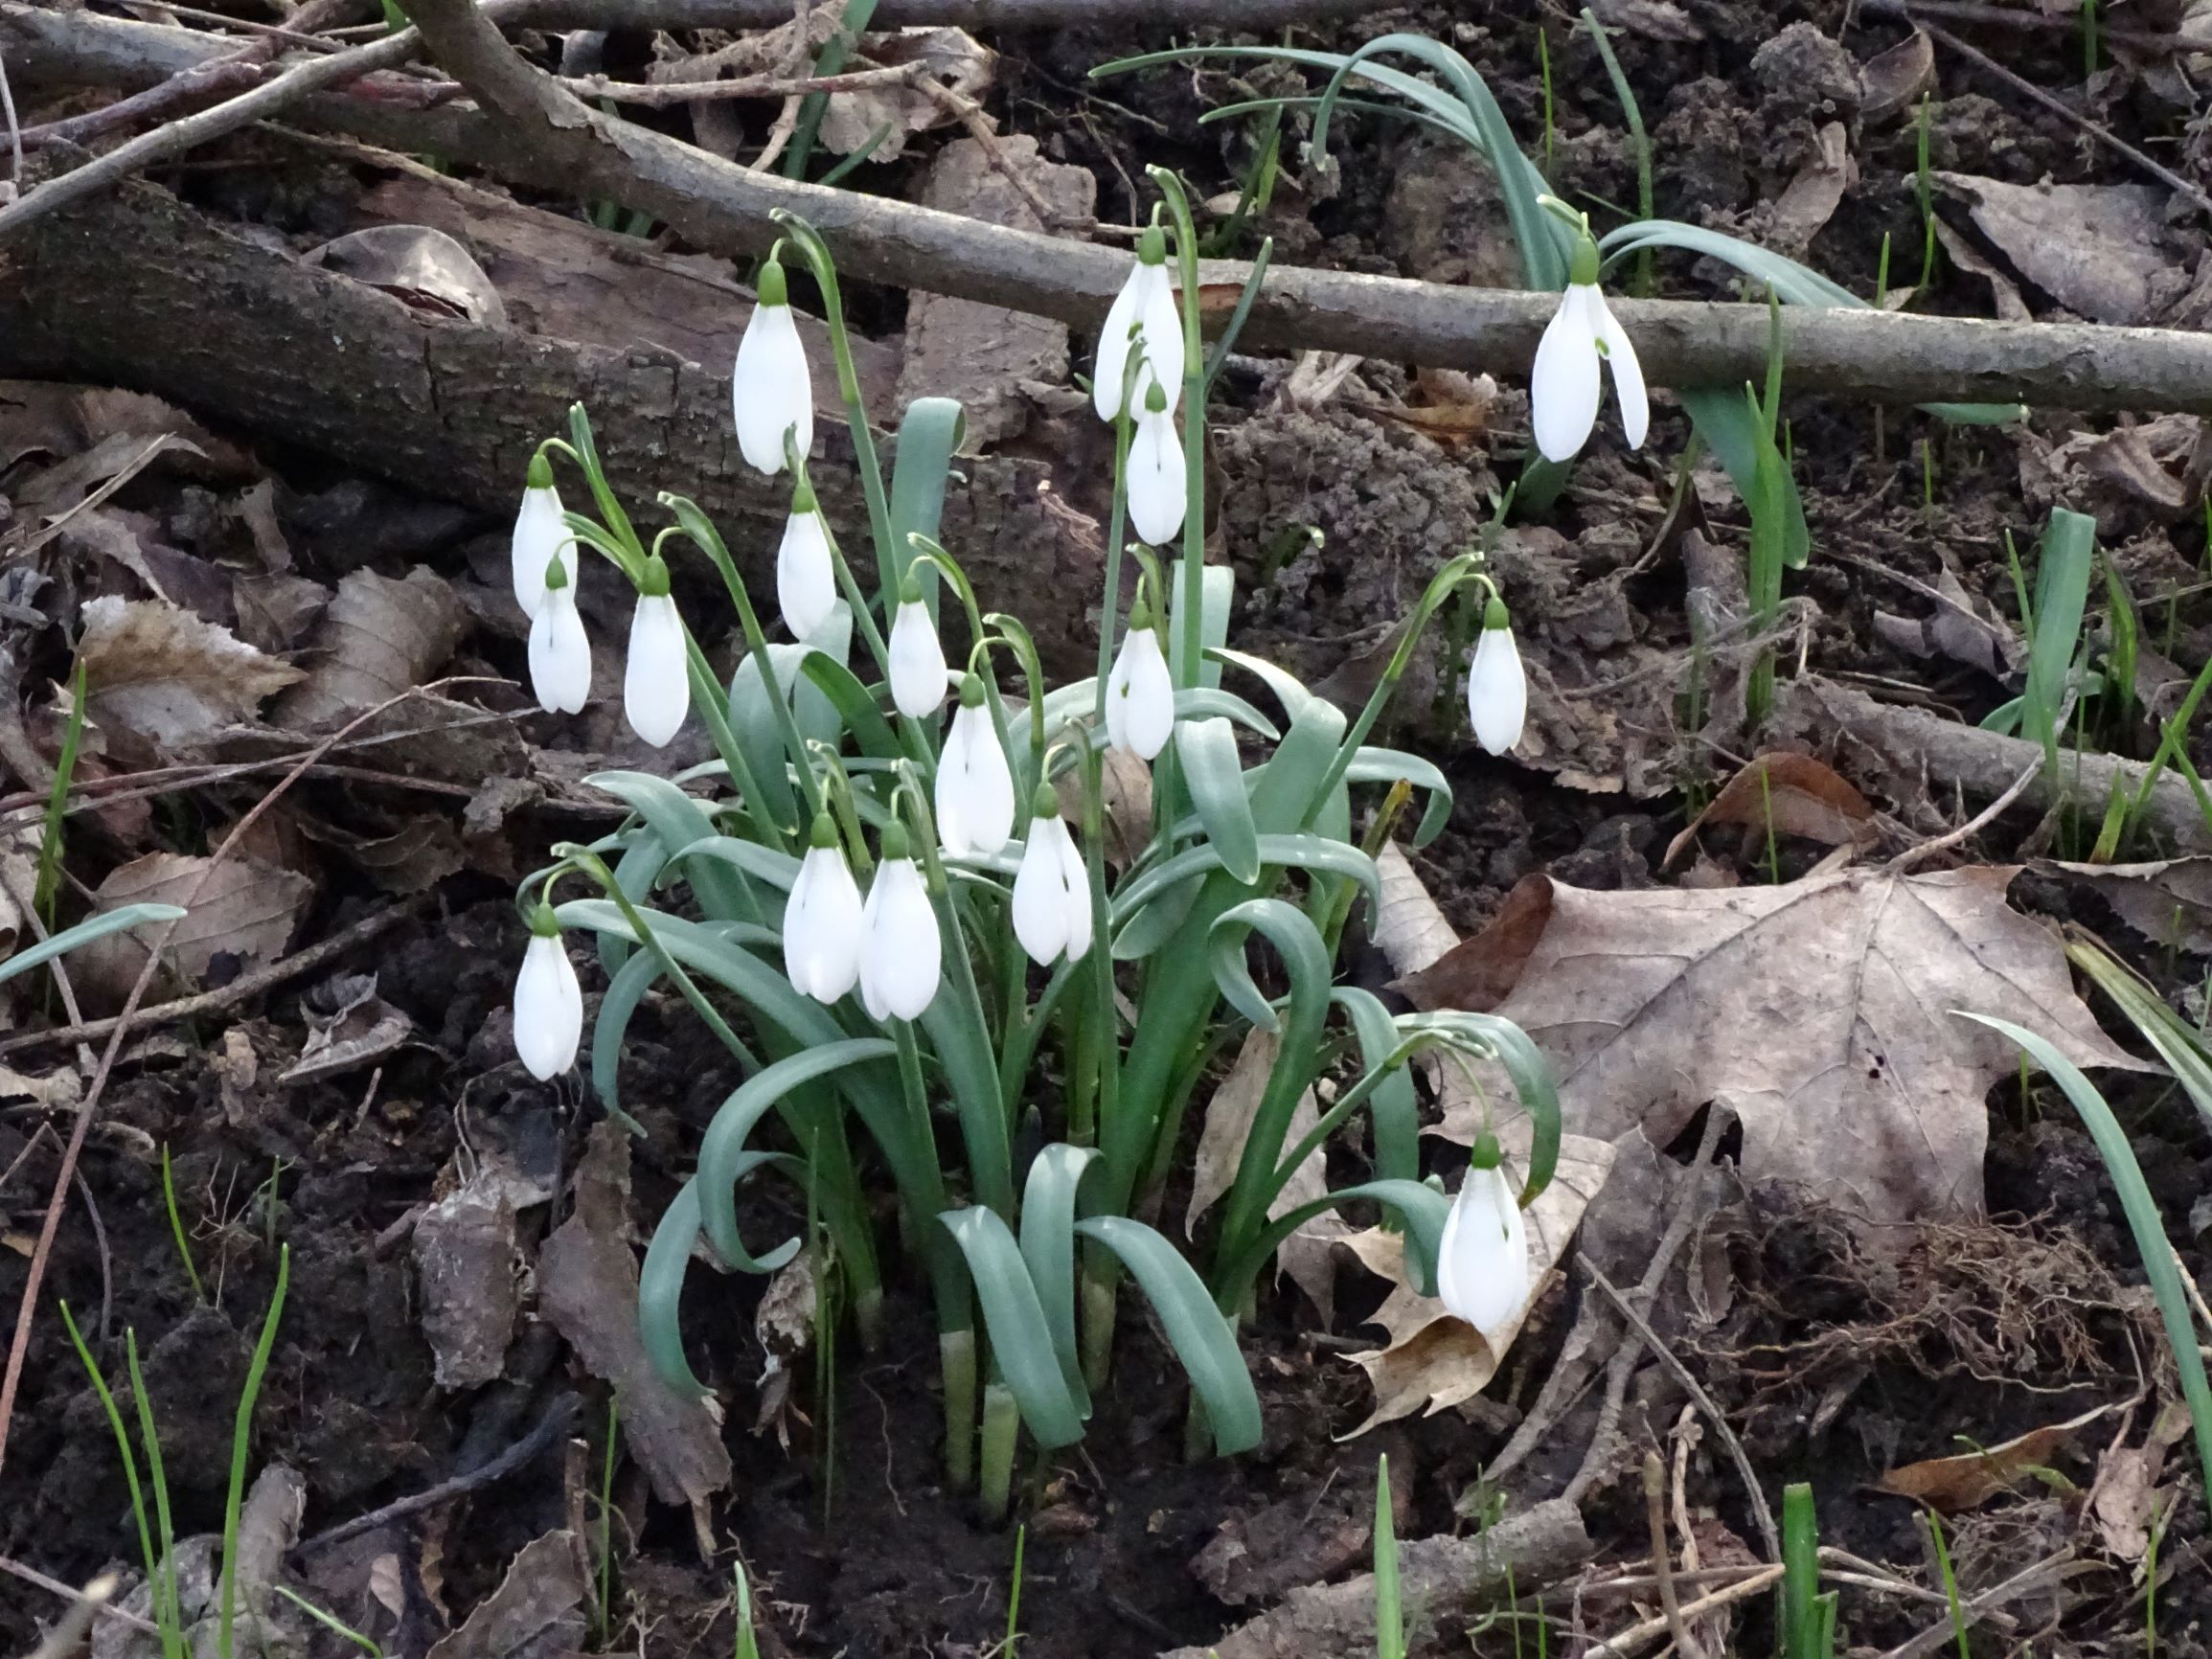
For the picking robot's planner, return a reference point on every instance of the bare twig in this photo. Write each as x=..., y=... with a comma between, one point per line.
x=1971, y=827
x=240, y=990
x=1662, y=1559
x=14, y=131
x=1972, y=1609
x=662, y=94
x=1757, y=1497
x=1168, y=16
x=1651, y=1629
x=93, y=1598
x=2021, y=17
x=21, y=1348
x=543, y=1433
x=219, y=78
x=970, y=114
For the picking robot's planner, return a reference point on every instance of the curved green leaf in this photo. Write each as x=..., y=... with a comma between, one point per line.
x=1393, y=1106
x=1424, y=1208
x=1062, y=705
x=635, y=872
x=1316, y=853
x=1200, y=702
x=1048, y=1213
x=626, y=989
x=734, y=1121
x=1155, y=918
x=1213, y=773
x=679, y=820
x=1021, y=1340
x=929, y=435
x=1731, y=432
x=1218, y=592
x=660, y=1283
x=92, y=927
x=1196, y=1328
x=856, y=707
x=774, y=867
x=1375, y=766
x=1289, y=689
x=1531, y=1074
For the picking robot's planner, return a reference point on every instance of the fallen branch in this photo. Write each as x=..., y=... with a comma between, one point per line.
x=535, y=132
x=1444, y=1581
x=1168, y=16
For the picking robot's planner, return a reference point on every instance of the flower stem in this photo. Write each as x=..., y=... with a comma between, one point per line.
x=1001, y=1431
x=956, y=1361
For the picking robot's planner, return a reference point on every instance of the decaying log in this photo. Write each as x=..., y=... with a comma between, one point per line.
x=134, y=288
x=1446, y=1584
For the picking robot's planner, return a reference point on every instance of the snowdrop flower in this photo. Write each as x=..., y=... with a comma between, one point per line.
x=541, y=537
x=559, y=650
x=1496, y=688
x=1157, y=487
x=769, y=388
x=1482, y=1273
x=900, y=953
x=1052, y=888
x=974, y=786
x=548, y=1002
x=917, y=671
x=1563, y=389
x=1143, y=318
x=656, y=685
x=1140, y=696
x=806, y=579
x=822, y=920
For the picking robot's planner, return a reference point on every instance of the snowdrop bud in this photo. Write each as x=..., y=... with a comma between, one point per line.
x=1140, y=693
x=1496, y=688
x=770, y=389
x=1143, y=319
x=917, y=671
x=822, y=920
x=559, y=650
x=1564, y=386
x=548, y=1002
x=1482, y=1268
x=540, y=537
x=806, y=579
x=974, y=785
x=657, y=686
x=1158, y=488
x=899, y=950
x=1052, y=889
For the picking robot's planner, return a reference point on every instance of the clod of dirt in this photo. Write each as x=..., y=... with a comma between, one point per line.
x=1445, y=218
x=467, y=1254
x=1265, y=1555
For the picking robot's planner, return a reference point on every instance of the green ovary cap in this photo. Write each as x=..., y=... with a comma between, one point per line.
x=772, y=289
x=1045, y=803
x=972, y=691
x=1156, y=399
x=1495, y=615
x=1153, y=246
x=803, y=496
x=1140, y=614
x=540, y=471
x=910, y=590
x=1486, y=1153
x=653, y=581
x=824, y=834
x=542, y=922
x=894, y=842
x=556, y=574
x=1582, y=266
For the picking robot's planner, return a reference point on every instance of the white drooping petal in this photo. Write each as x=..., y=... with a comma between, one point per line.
x=1563, y=386
x=918, y=672
x=656, y=688
x=1051, y=894
x=806, y=580
x=1161, y=326
x=974, y=785
x=771, y=390
x=1482, y=1271
x=548, y=1008
x=822, y=926
x=1113, y=348
x=1628, y=373
x=1497, y=690
x=1158, y=488
x=900, y=953
x=1140, y=696
x=559, y=653
x=539, y=539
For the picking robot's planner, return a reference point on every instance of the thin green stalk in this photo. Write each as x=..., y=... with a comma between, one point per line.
x=177, y=1228
x=1950, y=1583
x=1639, y=141
x=746, y=1644
x=1543, y=63
x=851, y=23
x=956, y=1362
x=1389, y=1612
x=1924, y=188
x=242, y=1435
x=1185, y=648
x=172, y=1635
x=1109, y=605
x=1001, y=1431
x=1012, y=1646
x=48, y=885
x=328, y=1621
x=169, y=1606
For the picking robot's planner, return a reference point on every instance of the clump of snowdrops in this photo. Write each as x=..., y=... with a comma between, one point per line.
x=902, y=927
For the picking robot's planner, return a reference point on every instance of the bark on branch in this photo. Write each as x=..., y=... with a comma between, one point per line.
x=537, y=133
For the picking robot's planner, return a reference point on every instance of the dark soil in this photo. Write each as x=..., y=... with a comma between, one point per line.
x=1833, y=1366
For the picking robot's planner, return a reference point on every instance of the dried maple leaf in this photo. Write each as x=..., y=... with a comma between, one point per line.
x=1823, y=1012
x=1971, y=1479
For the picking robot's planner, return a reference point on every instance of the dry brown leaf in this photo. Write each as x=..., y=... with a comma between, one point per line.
x=379, y=638
x=1971, y=1479
x=1480, y=973
x=952, y=57
x=1409, y=928
x=1891, y=82
x=538, y=1608
x=168, y=677
x=240, y=908
x=1811, y=200
x=1824, y=1013
x=2094, y=248
x=1791, y=795
x=2128, y=1499
x=2167, y=900
x=1306, y=1255
x=423, y=268
x=1433, y=1360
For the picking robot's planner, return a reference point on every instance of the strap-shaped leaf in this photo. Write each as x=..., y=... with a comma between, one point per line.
x=1289, y=689
x=1393, y=1106
x=1196, y=1328
x=1213, y=773
x=859, y=711
x=1375, y=766
x=1021, y=1340
x=929, y=435
x=1424, y=1208
x=1048, y=1215
x=660, y=1283
x=1218, y=592
x=679, y=820
x=1155, y=919
x=635, y=872
x=772, y=866
x=954, y=1022
x=1198, y=702
x=759, y=731
x=1063, y=703
x=1532, y=1078
x=92, y=927
x=1316, y=852
x=625, y=990
x=1731, y=433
